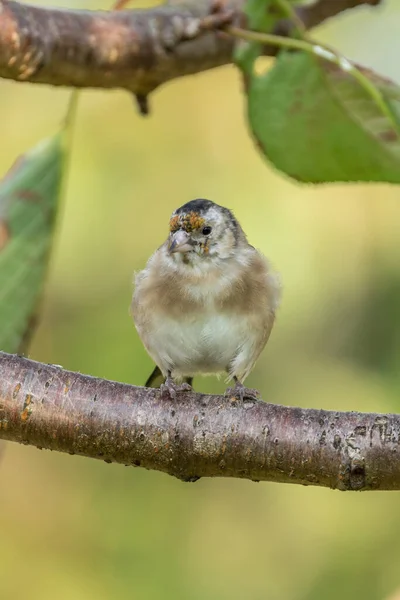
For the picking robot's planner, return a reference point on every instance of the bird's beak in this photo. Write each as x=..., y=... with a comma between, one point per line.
x=180, y=242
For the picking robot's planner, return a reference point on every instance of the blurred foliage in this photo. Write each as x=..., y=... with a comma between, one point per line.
x=28, y=203
x=81, y=529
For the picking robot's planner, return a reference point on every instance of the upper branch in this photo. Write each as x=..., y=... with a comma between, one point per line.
x=197, y=435
x=135, y=49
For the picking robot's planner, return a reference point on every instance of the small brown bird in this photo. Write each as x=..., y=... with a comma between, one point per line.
x=206, y=301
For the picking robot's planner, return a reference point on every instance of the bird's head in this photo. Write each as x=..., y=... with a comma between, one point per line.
x=202, y=229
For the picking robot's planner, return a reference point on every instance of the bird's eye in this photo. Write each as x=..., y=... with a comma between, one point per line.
x=206, y=230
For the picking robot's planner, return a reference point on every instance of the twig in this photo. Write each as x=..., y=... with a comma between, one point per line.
x=196, y=435
x=137, y=50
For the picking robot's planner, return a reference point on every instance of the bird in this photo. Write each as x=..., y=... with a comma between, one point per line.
x=206, y=301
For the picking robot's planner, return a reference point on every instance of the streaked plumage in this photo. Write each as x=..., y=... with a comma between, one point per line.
x=206, y=300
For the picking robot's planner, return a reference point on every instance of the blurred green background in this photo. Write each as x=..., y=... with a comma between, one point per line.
x=74, y=528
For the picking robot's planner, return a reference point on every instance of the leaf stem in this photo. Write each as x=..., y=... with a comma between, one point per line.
x=268, y=38
x=291, y=14
x=67, y=134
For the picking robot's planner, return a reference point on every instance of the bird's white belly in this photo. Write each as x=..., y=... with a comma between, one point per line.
x=203, y=344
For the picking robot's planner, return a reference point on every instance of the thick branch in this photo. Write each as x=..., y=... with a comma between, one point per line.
x=196, y=435
x=137, y=49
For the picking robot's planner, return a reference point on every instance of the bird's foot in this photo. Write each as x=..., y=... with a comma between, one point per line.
x=169, y=389
x=241, y=392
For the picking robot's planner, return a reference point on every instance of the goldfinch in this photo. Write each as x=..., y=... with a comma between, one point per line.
x=206, y=300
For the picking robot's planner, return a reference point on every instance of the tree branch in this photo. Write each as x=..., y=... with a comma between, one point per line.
x=137, y=50
x=197, y=435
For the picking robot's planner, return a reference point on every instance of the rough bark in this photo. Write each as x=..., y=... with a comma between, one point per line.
x=196, y=435
x=137, y=50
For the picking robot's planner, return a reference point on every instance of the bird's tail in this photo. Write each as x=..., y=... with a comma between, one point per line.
x=157, y=378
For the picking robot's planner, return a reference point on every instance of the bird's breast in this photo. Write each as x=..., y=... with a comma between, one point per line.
x=204, y=342
x=199, y=323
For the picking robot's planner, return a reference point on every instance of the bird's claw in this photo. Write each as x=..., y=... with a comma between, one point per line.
x=242, y=393
x=169, y=389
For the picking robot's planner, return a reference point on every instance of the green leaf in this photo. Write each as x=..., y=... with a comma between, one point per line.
x=322, y=122
x=261, y=15
x=29, y=195
x=315, y=115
